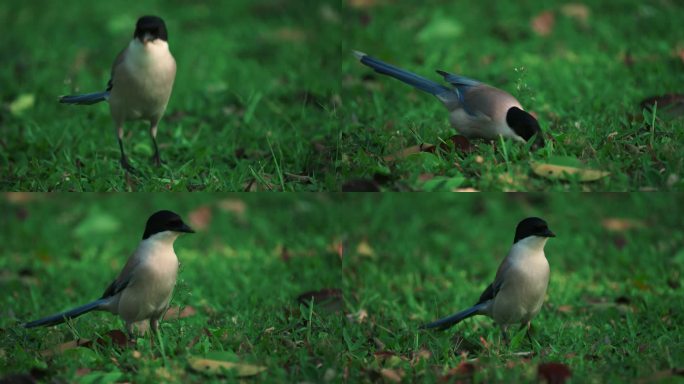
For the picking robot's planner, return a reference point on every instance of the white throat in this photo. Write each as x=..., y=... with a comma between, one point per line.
x=532, y=243
x=163, y=238
x=143, y=54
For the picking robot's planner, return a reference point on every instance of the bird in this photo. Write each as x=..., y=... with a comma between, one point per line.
x=142, y=291
x=140, y=85
x=476, y=110
x=519, y=288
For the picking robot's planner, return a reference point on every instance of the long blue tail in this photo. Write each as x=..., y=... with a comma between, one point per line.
x=86, y=99
x=419, y=82
x=64, y=316
x=453, y=319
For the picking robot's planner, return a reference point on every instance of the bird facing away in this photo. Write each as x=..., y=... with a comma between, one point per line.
x=517, y=293
x=476, y=110
x=143, y=289
x=140, y=85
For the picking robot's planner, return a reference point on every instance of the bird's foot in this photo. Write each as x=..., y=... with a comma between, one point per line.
x=156, y=160
x=127, y=166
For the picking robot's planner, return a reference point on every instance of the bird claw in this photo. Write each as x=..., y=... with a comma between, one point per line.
x=127, y=166
x=156, y=160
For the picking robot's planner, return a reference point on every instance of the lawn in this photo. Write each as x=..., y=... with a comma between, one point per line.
x=582, y=68
x=240, y=279
x=613, y=311
x=269, y=97
x=614, y=307
x=255, y=89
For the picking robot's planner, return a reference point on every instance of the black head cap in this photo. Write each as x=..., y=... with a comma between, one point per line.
x=165, y=221
x=532, y=226
x=151, y=26
x=525, y=126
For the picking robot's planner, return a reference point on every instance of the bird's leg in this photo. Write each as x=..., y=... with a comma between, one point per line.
x=528, y=334
x=129, y=331
x=124, y=161
x=154, y=325
x=153, y=133
x=504, y=334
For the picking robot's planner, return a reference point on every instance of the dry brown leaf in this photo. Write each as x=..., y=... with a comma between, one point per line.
x=563, y=172
x=464, y=368
x=200, y=218
x=320, y=295
x=393, y=375
x=577, y=11
x=288, y=34
x=214, y=367
x=620, y=224
x=359, y=4
x=177, y=313
x=670, y=104
x=116, y=337
x=234, y=206
x=406, y=152
x=543, y=23
x=554, y=373
x=358, y=317
x=565, y=308
x=20, y=197
x=364, y=249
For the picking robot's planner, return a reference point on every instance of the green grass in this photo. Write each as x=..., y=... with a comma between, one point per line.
x=254, y=89
x=63, y=250
x=269, y=97
x=575, y=80
x=613, y=311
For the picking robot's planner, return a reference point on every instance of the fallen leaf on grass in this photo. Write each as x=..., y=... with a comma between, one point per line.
x=358, y=317
x=234, y=206
x=20, y=198
x=460, y=143
x=554, y=373
x=116, y=337
x=543, y=23
x=462, y=371
x=22, y=103
x=359, y=4
x=567, y=172
x=200, y=218
x=287, y=35
x=319, y=296
x=440, y=27
x=177, y=313
x=620, y=225
x=670, y=104
x=393, y=375
x=577, y=11
x=364, y=249
x=215, y=367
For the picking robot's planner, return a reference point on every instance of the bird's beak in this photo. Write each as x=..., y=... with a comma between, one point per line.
x=548, y=233
x=185, y=229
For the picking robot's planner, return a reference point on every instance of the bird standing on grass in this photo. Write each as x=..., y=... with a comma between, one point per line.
x=142, y=291
x=517, y=293
x=140, y=85
x=476, y=110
